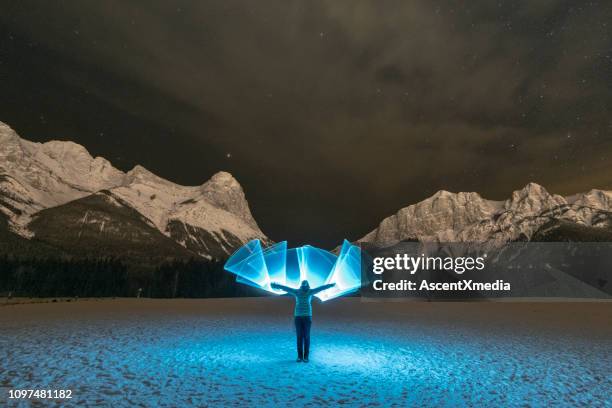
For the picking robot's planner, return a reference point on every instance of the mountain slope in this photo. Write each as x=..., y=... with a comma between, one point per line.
x=562, y=230
x=14, y=245
x=101, y=225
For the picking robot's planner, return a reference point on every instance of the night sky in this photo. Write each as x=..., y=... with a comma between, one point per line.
x=331, y=114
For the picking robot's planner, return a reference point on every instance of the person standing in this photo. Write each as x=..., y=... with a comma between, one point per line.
x=302, y=314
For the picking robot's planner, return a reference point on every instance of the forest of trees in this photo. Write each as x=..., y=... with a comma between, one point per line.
x=108, y=277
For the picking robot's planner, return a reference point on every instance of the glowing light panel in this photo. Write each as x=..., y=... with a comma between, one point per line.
x=259, y=267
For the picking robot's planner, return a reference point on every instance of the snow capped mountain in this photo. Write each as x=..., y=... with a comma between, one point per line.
x=211, y=220
x=34, y=176
x=467, y=217
x=442, y=213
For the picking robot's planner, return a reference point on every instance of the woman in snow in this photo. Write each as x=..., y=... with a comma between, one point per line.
x=303, y=314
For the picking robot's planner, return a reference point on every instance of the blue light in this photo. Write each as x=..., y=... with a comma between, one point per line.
x=257, y=267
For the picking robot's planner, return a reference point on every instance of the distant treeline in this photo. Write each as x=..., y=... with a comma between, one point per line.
x=110, y=277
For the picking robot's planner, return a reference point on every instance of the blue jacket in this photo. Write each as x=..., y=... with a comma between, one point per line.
x=303, y=297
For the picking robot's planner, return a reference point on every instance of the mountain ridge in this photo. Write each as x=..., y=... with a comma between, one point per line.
x=38, y=176
x=467, y=217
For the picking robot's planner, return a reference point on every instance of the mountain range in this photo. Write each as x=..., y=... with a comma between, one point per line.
x=530, y=214
x=57, y=196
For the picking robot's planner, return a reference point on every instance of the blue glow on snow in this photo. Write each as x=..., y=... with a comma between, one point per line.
x=257, y=267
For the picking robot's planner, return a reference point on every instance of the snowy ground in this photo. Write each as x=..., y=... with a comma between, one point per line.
x=240, y=352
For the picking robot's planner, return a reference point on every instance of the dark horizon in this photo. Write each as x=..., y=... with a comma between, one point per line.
x=332, y=117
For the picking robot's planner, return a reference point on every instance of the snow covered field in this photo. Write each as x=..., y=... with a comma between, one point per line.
x=240, y=352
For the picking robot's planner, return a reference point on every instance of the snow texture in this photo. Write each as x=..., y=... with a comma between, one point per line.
x=240, y=352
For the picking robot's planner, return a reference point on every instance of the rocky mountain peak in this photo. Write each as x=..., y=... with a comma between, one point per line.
x=223, y=178
x=599, y=199
x=224, y=191
x=10, y=145
x=7, y=133
x=530, y=190
x=140, y=174
x=65, y=150
x=139, y=170
x=533, y=199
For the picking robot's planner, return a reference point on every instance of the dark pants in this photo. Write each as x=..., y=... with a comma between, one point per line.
x=302, y=330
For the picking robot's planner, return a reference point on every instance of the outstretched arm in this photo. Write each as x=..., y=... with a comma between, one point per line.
x=322, y=288
x=287, y=289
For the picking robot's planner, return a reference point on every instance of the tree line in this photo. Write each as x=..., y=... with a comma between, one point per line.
x=109, y=277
